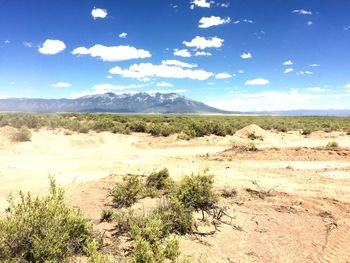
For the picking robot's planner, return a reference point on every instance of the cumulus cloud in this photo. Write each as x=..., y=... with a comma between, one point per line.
x=112, y=53
x=302, y=12
x=225, y=5
x=206, y=22
x=257, y=82
x=309, y=23
x=314, y=65
x=143, y=70
x=347, y=86
x=173, y=62
x=61, y=85
x=182, y=53
x=223, y=75
x=7, y=41
x=246, y=55
x=98, y=13
x=203, y=43
x=165, y=84
x=123, y=35
x=201, y=3
x=52, y=47
x=288, y=63
x=315, y=89
x=240, y=71
x=109, y=77
x=202, y=53
x=288, y=70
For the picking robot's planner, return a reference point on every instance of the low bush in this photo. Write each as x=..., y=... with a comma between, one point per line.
x=43, y=229
x=176, y=217
x=126, y=193
x=22, y=135
x=107, y=215
x=196, y=191
x=228, y=192
x=332, y=144
x=159, y=180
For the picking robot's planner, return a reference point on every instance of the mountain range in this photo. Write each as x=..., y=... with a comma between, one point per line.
x=148, y=103
x=170, y=103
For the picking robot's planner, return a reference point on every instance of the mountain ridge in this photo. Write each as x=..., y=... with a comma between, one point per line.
x=161, y=103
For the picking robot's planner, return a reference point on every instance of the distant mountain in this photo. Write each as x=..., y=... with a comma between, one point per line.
x=171, y=103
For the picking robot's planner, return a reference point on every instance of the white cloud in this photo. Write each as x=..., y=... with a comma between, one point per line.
x=7, y=41
x=52, y=47
x=201, y=3
x=109, y=77
x=288, y=63
x=203, y=43
x=223, y=75
x=143, y=70
x=99, y=13
x=257, y=82
x=314, y=65
x=306, y=72
x=173, y=62
x=288, y=70
x=225, y=5
x=315, y=89
x=240, y=71
x=206, y=22
x=246, y=55
x=248, y=21
x=182, y=53
x=28, y=44
x=347, y=86
x=202, y=53
x=123, y=35
x=61, y=85
x=110, y=87
x=302, y=12
x=309, y=23
x=112, y=53
x=165, y=84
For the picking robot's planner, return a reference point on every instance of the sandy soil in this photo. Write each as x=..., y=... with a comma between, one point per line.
x=305, y=217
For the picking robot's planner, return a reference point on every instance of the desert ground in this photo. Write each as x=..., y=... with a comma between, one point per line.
x=293, y=192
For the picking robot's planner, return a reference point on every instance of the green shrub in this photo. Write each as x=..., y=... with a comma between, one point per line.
x=22, y=135
x=196, y=191
x=149, y=245
x=228, y=192
x=43, y=229
x=125, y=194
x=159, y=180
x=176, y=217
x=332, y=144
x=107, y=215
x=252, y=136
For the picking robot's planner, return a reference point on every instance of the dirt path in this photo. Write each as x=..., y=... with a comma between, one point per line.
x=307, y=218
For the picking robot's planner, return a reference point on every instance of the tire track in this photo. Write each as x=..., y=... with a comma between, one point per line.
x=337, y=248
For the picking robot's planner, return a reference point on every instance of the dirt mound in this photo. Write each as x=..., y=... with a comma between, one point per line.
x=254, y=129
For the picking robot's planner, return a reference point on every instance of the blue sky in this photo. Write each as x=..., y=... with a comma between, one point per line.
x=231, y=54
